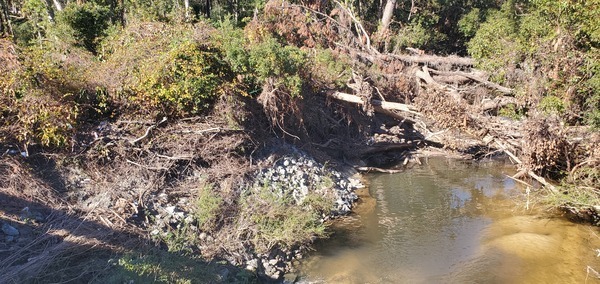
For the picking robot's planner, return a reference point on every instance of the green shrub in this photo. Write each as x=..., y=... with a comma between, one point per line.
x=419, y=35
x=494, y=43
x=592, y=118
x=156, y=266
x=552, y=105
x=470, y=22
x=330, y=70
x=38, y=105
x=511, y=111
x=274, y=220
x=259, y=57
x=86, y=22
x=552, y=42
x=156, y=10
x=187, y=79
x=36, y=24
x=164, y=69
x=208, y=206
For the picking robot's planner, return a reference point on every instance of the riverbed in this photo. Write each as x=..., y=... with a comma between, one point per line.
x=453, y=221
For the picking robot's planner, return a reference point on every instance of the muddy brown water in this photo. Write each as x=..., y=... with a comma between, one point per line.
x=450, y=221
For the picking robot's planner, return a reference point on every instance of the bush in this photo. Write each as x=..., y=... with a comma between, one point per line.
x=208, y=206
x=164, y=69
x=494, y=43
x=36, y=24
x=552, y=105
x=185, y=79
x=86, y=22
x=551, y=48
x=470, y=22
x=259, y=57
x=38, y=105
x=419, y=35
x=277, y=221
x=329, y=70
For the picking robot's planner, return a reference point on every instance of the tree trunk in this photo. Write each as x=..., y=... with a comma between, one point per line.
x=57, y=5
x=208, y=8
x=186, y=5
x=5, y=26
x=388, y=13
x=50, y=9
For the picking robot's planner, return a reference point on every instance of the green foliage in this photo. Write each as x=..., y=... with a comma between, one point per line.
x=157, y=10
x=208, y=206
x=231, y=41
x=167, y=69
x=24, y=33
x=259, y=57
x=550, y=41
x=592, y=118
x=37, y=22
x=277, y=221
x=511, y=111
x=470, y=22
x=590, y=71
x=419, y=34
x=493, y=45
x=86, y=22
x=552, y=105
x=38, y=106
x=269, y=59
x=574, y=195
x=328, y=69
x=186, y=79
x=180, y=239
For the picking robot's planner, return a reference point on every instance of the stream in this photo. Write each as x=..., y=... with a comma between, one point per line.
x=453, y=221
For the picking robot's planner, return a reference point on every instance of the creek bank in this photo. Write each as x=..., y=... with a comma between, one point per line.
x=294, y=176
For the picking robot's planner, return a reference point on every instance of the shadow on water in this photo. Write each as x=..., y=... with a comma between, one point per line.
x=451, y=221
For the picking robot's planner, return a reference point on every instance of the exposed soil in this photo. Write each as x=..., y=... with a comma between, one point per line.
x=103, y=194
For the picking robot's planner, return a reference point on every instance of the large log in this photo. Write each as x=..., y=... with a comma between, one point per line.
x=434, y=59
x=474, y=77
x=379, y=105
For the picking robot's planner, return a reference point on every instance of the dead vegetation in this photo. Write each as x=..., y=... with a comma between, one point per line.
x=448, y=100
x=124, y=171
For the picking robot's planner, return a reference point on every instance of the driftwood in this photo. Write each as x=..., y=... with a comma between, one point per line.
x=425, y=76
x=529, y=172
x=379, y=170
x=134, y=141
x=487, y=129
x=377, y=104
x=451, y=79
x=474, y=77
x=433, y=59
x=497, y=102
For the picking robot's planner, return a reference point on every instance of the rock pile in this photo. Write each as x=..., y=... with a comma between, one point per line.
x=294, y=177
x=300, y=175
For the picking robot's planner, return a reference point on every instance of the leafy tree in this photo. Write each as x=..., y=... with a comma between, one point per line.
x=87, y=23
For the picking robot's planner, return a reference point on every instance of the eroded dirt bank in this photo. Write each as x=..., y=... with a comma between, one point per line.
x=251, y=181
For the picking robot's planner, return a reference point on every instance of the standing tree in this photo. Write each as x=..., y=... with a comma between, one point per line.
x=5, y=26
x=387, y=15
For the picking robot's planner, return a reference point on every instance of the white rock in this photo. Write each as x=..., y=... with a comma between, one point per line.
x=170, y=209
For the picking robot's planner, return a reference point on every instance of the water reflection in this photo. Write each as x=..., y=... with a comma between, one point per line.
x=450, y=222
